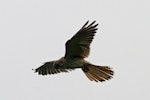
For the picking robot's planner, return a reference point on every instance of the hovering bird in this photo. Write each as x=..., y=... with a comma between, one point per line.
x=78, y=48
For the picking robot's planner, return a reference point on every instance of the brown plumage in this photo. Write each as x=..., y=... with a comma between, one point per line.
x=78, y=48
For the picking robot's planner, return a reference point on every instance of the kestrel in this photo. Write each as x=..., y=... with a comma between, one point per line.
x=78, y=48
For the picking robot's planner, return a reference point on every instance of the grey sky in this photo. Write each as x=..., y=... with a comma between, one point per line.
x=35, y=31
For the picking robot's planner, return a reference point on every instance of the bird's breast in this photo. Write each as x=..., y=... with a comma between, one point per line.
x=74, y=63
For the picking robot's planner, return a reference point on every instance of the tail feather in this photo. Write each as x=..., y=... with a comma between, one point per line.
x=89, y=76
x=98, y=73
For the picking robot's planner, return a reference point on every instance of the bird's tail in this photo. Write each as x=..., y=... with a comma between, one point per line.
x=98, y=73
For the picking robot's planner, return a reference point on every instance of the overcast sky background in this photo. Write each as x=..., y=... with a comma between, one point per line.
x=35, y=31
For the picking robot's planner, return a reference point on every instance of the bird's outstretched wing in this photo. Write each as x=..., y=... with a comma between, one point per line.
x=79, y=44
x=50, y=68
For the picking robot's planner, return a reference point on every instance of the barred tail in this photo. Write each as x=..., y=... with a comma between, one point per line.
x=98, y=73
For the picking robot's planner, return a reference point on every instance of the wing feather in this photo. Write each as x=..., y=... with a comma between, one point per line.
x=79, y=44
x=49, y=68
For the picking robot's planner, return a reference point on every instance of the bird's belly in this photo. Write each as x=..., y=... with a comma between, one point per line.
x=76, y=63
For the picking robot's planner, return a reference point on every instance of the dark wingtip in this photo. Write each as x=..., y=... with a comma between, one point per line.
x=92, y=23
x=85, y=23
x=96, y=25
x=34, y=70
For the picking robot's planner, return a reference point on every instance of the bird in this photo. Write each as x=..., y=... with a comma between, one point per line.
x=77, y=49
